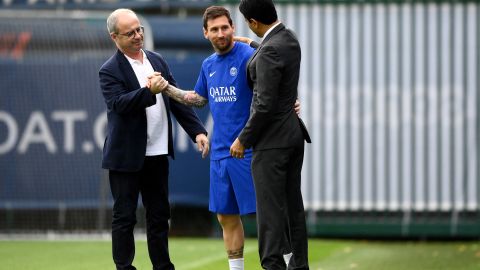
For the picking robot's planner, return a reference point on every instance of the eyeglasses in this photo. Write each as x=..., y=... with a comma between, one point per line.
x=132, y=33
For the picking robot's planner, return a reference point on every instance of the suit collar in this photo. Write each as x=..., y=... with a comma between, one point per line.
x=132, y=61
x=272, y=27
x=156, y=66
x=275, y=30
x=122, y=59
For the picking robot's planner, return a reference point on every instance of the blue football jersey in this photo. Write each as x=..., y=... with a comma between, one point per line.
x=223, y=80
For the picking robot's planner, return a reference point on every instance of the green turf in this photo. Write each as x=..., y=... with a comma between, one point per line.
x=208, y=254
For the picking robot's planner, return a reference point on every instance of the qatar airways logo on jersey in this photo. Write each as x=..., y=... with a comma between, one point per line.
x=223, y=94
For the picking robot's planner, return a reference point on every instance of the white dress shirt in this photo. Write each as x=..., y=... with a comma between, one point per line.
x=157, y=121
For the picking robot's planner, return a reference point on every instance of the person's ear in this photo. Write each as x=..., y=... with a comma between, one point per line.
x=205, y=33
x=253, y=23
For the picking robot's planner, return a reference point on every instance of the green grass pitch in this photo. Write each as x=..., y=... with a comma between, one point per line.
x=209, y=254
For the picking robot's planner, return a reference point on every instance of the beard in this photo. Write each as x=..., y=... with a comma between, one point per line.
x=223, y=45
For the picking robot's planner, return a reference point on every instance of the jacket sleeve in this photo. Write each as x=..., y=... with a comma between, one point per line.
x=118, y=98
x=254, y=44
x=268, y=76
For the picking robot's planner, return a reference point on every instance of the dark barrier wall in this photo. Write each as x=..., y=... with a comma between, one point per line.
x=52, y=116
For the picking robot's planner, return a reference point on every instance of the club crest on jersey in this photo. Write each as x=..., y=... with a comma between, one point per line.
x=233, y=71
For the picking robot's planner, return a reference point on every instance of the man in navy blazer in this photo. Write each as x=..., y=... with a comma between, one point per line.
x=139, y=139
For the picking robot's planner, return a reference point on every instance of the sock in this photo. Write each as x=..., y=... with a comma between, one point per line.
x=236, y=264
x=286, y=257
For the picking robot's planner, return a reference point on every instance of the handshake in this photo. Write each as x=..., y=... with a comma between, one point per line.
x=156, y=83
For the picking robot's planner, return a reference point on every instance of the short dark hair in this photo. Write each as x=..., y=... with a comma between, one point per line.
x=214, y=12
x=260, y=10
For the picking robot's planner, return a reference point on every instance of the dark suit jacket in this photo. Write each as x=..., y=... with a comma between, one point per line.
x=273, y=72
x=126, y=140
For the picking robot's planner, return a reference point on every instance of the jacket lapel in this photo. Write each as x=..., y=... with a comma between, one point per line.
x=127, y=70
x=277, y=29
x=253, y=55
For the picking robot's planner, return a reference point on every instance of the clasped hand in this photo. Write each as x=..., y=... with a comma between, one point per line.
x=156, y=83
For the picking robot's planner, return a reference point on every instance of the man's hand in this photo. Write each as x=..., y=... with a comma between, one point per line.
x=243, y=39
x=237, y=150
x=156, y=83
x=202, y=144
x=296, y=107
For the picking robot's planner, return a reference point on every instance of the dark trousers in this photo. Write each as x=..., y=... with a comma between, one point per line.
x=277, y=178
x=152, y=183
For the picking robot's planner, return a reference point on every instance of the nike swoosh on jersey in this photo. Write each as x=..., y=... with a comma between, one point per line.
x=211, y=74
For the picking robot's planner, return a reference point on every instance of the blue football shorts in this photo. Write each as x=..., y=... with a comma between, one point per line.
x=231, y=186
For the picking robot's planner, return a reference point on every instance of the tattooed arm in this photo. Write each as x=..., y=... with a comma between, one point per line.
x=189, y=98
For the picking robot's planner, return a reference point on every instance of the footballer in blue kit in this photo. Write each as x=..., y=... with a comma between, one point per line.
x=223, y=82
